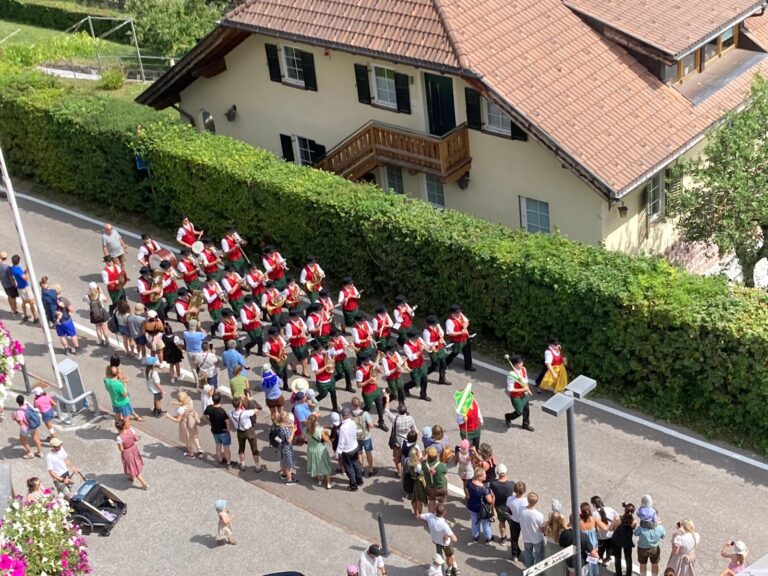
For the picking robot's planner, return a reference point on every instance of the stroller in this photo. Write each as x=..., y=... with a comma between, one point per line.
x=95, y=508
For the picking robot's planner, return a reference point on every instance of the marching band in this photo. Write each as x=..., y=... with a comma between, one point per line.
x=243, y=299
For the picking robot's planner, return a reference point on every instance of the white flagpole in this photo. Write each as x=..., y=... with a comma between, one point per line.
x=32, y=276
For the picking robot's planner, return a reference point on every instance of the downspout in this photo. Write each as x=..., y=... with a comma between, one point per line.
x=185, y=114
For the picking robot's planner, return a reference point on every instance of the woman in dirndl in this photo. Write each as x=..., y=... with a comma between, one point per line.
x=555, y=376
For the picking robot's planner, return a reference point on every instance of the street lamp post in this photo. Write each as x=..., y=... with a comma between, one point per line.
x=580, y=387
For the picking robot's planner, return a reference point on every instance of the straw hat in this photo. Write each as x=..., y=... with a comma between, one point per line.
x=299, y=385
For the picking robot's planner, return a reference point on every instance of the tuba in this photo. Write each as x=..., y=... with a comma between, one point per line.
x=315, y=279
x=157, y=282
x=196, y=301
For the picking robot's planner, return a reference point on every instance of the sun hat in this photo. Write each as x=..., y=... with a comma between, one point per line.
x=738, y=547
x=299, y=385
x=152, y=314
x=56, y=442
x=92, y=285
x=266, y=369
x=37, y=391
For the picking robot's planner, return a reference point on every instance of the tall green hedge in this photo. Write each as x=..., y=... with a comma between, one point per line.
x=689, y=349
x=57, y=18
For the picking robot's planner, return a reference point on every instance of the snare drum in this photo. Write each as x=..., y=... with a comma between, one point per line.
x=159, y=256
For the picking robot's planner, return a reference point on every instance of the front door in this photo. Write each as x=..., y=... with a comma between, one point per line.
x=440, y=109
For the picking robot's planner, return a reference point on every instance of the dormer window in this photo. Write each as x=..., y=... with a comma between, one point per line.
x=697, y=60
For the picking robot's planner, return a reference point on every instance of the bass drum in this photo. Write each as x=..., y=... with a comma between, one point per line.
x=159, y=256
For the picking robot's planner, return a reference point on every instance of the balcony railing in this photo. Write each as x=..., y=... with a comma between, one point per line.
x=376, y=144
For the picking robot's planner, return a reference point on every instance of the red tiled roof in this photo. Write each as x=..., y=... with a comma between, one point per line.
x=409, y=29
x=673, y=26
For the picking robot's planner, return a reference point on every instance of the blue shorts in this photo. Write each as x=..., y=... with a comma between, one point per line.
x=123, y=330
x=66, y=328
x=48, y=416
x=141, y=340
x=223, y=439
x=126, y=410
x=366, y=445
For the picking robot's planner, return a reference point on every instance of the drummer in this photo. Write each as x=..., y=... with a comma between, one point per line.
x=187, y=233
x=189, y=270
x=147, y=248
x=209, y=259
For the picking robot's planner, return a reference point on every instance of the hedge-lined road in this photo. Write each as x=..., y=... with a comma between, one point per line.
x=617, y=460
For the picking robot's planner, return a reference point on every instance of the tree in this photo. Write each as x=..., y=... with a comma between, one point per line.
x=724, y=200
x=172, y=27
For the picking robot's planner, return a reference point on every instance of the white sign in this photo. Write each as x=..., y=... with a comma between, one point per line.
x=549, y=562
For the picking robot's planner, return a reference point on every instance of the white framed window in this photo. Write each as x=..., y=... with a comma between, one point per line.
x=394, y=180
x=495, y=119
x=534, y=215
x=656, y=196
x=293, y=65
x=207, y=122
x=384, y=87
x=435, y=192
x=303, y=148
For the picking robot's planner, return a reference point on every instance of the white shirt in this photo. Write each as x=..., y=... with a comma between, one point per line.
x=153, y=381
x=315, y=268
x=277, y=258
x=211, y=293
x=379, y=323
x=105, y=276
x=385, y=364
x=438, y=528
x=410, y=354
x=290, y=328
x=241, y=419
x=228, y=284
x=253, y=308
x=450, y=325
x=370, y=565
x=515, y=506
x=611, y=514
x=515, y=381
x=425, y=335
x=356, y=336
x=207, y=362
x=347, y=437
x=531, y=522
x=342, y=296
x=56, y=461
x=399, y=317
x=144, y=251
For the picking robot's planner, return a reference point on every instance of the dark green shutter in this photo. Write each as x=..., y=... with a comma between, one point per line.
x=474, y=110
x=286, y=143
x=403, y=93
x=363, y=84
x=318, y=151
x=273, y=62
x=518, y=133
x=308, y=65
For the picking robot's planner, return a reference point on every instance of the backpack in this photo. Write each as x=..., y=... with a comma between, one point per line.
x=33, y=417
x=112, y=323
x=274, y=436
x=361, y=426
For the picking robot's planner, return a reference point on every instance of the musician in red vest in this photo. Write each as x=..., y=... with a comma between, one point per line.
x=320, y=365
x=170, y=287
x=470, y=425
x=518, y=392
x=337, y=349
x=433, y=337
x=403, y=316
x=227, y=328
x=457, y=332
x=391, y=365
x=232, y=283
x=293, y=293
x=273, y=301
x=312, y=277
x=326, y=302
x=189, y=270
x=275, y=350
x=147, y=248
x=212, y=293
x=275, y=266
x=187, y=234
x=382, y=328
x=295, y=332
x=366, y=376
x=209, y=260
x=348, y=297
x=183, y=308
x=257, y=281
x=232, y=245
x=114, y=278
x=414, y=357
x=318, y=324
x=250, y=317
x=362, y=335
x=148, y=291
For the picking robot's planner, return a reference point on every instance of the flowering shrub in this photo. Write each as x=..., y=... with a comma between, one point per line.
x=39, y=539
x=11, y=359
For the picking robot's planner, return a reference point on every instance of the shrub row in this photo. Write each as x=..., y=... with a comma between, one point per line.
x=689, y=349
x=57, y=18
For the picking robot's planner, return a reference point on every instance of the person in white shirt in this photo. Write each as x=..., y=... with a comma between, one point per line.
x=371, y=561
x=60, y=468
x=515, y=505
x=347, y=449
x=531, y=524
x=442, y=537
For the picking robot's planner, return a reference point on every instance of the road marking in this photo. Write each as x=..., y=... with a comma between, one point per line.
x=493, y=368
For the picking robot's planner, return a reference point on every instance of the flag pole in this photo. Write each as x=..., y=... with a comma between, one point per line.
x=32, y=276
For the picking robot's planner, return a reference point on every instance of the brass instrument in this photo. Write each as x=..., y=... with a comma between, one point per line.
x=157, y=286
x=271, y=308
x=294, y=298
x=330, y=362
x=196, y=303
x=283, y=356
x=316, y=278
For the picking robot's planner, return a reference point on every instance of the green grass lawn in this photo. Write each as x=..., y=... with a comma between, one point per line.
x=77, y=7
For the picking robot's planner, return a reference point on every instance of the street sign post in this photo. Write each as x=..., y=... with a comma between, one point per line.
x=557, y=557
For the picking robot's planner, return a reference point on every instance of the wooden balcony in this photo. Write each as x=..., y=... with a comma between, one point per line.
x=376, y=144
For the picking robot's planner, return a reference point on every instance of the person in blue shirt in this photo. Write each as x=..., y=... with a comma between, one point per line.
x=649, y=535
x=193, y=338
x=21, y=277
x=232, y=357
x=271, y=384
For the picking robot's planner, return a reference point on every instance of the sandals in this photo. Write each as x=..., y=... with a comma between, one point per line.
x=28, y=456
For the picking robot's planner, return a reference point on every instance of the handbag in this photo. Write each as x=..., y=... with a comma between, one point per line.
x=393, y=435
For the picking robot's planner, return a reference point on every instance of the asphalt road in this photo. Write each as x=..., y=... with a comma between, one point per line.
x=321, y=531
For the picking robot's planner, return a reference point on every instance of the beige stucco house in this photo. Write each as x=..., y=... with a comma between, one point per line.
x=541, y=114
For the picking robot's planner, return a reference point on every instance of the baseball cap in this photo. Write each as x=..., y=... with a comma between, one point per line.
x=37, y=391
x=501, y=469
x=335, y=419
